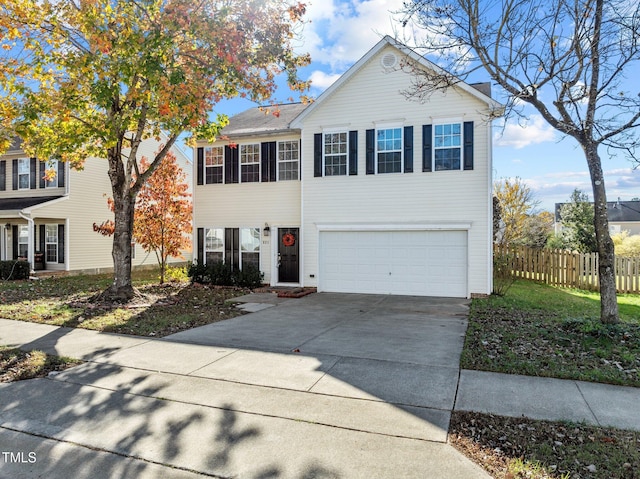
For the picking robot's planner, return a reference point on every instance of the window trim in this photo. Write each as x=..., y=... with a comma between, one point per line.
x=28, y=173
x=257, y=162
x=20, y=229
x=340, y=131
x=278, y=161
x=390, y=126
x=204, y=246
x=47, y=242
x=205, y=166
x=443, y=122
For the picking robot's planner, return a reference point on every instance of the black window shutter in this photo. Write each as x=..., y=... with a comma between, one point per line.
x=14, y=173
x=200, y=246
x=61, y=174
x=268, y=160
x=317, y=154
x=408, y=149
x=14, y=240
x=43, y=234
x=426, y=148
x=371, y=150
x=231, y=164
x=468, y=145
x=200, y=166
x=33, y=173
x=3, y=175
x=43, y=168
x=60, y=243
x=353, y=152
x=232, y=247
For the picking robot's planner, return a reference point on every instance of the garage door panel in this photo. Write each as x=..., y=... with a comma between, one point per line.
x=429, y=263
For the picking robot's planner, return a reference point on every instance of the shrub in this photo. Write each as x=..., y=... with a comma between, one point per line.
x=14, y=269
x=222, y=274
x=626, y=245
x=176, y=274
x=503, y=277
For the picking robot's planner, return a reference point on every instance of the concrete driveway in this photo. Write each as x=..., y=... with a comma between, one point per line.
x=398, y=350
x=327, y=386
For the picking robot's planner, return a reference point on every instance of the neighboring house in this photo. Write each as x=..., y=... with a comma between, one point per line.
x=623, y=216
x=50, y=224
x=361, y=191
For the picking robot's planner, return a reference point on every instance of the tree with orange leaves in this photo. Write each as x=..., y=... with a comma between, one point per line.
x=162, y=221
x=162, y=218
x=94, y=78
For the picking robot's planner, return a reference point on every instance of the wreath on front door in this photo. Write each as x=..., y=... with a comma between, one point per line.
x=288, y=239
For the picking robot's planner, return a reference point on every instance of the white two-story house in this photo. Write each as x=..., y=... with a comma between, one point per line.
x=50, y=223
x=361, y=191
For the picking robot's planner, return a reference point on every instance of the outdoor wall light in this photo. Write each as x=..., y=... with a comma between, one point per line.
x=266, y=230
x=7, y=226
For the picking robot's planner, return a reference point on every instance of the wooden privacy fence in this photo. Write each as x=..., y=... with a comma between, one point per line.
x=569, y=268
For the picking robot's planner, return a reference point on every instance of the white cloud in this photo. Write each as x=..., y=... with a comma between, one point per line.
x=340, y=32
x=322, y=80
x=535, y=131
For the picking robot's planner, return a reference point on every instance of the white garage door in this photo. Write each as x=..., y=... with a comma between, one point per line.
x=424, y=263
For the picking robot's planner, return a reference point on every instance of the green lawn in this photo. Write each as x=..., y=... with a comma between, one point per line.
x=541, y=330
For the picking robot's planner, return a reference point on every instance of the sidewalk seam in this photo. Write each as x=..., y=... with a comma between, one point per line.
x=587, y=403
x=117, y=453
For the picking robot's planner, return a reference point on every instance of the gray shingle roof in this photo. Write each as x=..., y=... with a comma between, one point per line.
x=254, y=120
x=22, y=203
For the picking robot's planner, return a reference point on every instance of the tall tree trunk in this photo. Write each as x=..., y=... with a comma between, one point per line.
x=606, y=257
x=124, y=205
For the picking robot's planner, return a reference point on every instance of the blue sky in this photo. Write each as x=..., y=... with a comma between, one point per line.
x=342, y=31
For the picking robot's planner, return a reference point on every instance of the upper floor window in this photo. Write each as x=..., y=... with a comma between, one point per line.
x=250, y=163
x=335, y=154
x=24, y=173
x=213, y=164
x=53, y=182
x=447, y=146
x=288, y=160
x=389, y=150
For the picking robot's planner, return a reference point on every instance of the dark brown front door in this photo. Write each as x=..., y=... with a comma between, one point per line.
x=288, y=248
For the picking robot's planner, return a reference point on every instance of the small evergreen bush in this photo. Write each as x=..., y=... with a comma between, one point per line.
x=14, y=269
x=222, y=274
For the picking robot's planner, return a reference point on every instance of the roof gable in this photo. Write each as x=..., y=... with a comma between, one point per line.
x=478, y=91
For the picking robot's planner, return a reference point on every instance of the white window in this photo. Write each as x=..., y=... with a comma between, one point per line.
x=250, y=163
x=288, y=160
x=389, y=150
x=447, y=146
x=53, y=182
x=51, y=243
x=24, y=173
x=335, y=153
x=213, y=164
x=250, y=247
x=214, y=245
x=23, y=241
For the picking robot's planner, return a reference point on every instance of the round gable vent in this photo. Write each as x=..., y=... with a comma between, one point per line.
x=389, y=60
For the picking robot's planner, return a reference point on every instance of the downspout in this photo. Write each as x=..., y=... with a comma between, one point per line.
x=30, y=247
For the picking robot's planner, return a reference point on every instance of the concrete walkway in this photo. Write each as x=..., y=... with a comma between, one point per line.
x=362, y=398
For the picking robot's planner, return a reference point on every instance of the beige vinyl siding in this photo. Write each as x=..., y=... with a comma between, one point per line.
x=374, y=96
x=87, y=204
x=35, y=193
x=249, y=205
